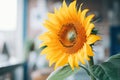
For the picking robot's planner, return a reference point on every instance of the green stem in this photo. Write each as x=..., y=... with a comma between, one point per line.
x=87, y=70
x=82, y=66
x=91, y=63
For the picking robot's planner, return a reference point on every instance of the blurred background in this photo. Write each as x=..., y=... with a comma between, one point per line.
x=21, y=24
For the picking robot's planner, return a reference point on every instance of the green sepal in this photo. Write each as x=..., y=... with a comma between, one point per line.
x=41, y=48
x=94, y=31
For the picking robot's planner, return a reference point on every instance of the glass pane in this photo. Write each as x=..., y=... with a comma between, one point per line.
x=8, y=15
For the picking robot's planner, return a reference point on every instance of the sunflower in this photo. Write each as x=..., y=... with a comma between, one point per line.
x=69, y=37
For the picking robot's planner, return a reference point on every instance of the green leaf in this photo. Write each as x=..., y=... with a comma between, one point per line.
x=62, y=73
x=109, y=70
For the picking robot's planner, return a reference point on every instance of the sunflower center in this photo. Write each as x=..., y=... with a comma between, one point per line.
x=68, y=35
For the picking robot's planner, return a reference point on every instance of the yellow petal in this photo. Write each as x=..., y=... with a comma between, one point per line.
x=84, y=55
x=70, y=60
x=64, y=4
x=81, y=57
x=88, y=50
x=51, y=26
x=73, y=10
x=51, y=54
x=58, y=15
x=51, y=62
x=89, y=29
x=62, y=60
x=52, y=16
x=83, y=14
x=76, y=61
x=72, y=6
x=55, y=58
x=44, y=37
x=79, y=11
x=64, y=8
x=92, y=39
x=45, y=51
x=63, y=13
x=87, y=20
x=54, y=19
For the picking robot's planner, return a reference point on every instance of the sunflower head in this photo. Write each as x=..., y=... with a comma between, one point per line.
x=69, y=36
